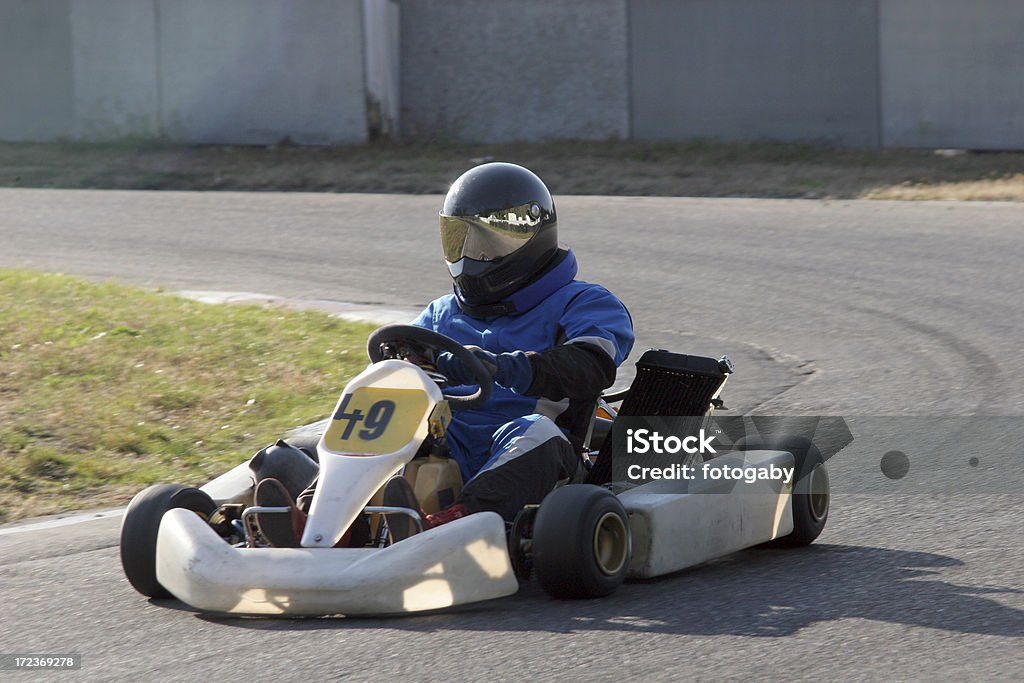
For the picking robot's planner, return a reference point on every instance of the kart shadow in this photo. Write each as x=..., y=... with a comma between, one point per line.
x=756, y=592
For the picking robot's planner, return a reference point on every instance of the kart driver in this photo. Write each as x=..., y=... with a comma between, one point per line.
x=551, y=342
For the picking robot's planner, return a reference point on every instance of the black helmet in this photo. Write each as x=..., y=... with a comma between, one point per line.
x=498, y=231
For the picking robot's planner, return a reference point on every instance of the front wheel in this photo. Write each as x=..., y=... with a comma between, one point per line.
x=141, y=524
x=581, y=542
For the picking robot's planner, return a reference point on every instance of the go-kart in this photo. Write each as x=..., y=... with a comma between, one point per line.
x=204, y=547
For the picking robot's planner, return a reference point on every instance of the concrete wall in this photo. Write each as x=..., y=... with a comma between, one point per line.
x=505, y=70
x=36, y=75
x=381, y=24
x=116, y=85
x=752, y=69
x=257, y=71
x=230, y=71
x=860, y=73
x=953, y=73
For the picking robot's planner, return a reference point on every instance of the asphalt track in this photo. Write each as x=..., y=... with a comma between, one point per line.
x=839, y=308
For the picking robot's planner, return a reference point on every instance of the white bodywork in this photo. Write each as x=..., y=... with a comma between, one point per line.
x=674, y=525
x=337, y=501
x=679, y=524
x=464, y=561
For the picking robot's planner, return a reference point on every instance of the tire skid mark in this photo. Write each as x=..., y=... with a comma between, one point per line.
x=796, y=370
x=984, y=368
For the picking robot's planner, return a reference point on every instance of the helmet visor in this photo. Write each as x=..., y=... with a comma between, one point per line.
x=491, y=237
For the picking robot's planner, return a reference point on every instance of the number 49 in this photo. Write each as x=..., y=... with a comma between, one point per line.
x=375, y=422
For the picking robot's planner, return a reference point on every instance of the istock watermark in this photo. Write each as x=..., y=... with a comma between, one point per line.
x=712, y=472
x=647, y=441
x=949, y=455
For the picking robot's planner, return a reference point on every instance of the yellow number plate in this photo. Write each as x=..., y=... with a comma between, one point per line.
x=375, y=421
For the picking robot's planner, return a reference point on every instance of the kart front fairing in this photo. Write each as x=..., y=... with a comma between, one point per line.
x=381, y=419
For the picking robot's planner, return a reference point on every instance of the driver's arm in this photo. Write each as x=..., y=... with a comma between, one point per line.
x=577, y=370
x=599, y=335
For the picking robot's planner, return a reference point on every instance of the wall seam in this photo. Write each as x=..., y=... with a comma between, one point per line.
x=630, y=95
x=365, y=40
x=76, y=120
x=879, y=90
x=161, y=131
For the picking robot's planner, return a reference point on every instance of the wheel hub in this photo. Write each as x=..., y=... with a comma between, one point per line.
x=611, y=543
x=818, y=490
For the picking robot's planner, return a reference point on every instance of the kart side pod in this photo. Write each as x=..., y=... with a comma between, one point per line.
x=679, y=524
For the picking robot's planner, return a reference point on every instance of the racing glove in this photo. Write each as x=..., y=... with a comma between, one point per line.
x=510, y=370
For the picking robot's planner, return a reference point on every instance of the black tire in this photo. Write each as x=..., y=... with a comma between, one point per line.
x=581, y=542
x=811, y=497
x=811, y=494
x=140, y=526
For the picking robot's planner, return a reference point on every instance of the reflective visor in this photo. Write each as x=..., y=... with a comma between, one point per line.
x=488, y=238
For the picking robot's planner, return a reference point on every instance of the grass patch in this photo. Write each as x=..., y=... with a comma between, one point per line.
x=105, y=389
x=617, y=167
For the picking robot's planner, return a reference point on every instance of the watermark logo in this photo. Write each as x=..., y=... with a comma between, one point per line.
x=644, y=441
x=713, y=472
x=864, y=454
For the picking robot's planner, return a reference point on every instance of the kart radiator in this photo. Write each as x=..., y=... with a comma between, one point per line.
x=667, y=384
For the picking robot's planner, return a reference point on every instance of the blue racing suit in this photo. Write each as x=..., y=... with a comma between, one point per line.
x=572, y=335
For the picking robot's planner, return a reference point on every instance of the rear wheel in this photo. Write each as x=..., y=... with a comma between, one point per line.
x=140, y=526
x=811, y=491
x=581, y=542
x=810, y=506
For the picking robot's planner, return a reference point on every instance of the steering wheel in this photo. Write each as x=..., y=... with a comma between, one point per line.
x=411, y=335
